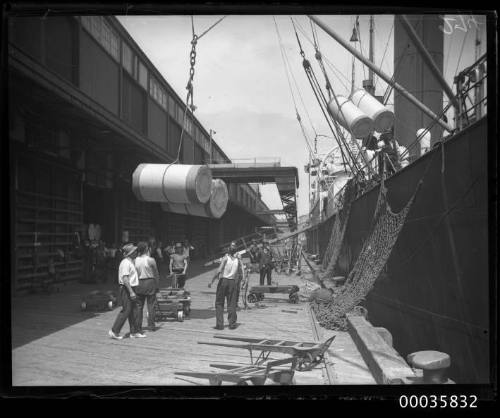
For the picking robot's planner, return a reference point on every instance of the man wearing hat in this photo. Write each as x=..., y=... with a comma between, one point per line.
x=128, y=280
x=179, y=264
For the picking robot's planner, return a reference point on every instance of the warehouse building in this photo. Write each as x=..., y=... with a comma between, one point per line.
x=85, y=107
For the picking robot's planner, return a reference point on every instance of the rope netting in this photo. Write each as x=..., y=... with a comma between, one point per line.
x=338, y=230
x=377, y=248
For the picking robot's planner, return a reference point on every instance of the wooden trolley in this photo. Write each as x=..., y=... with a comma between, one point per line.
x=172, y=302
x=243, y=374
x=256, y=293
x=99, y=300
x=308, y=354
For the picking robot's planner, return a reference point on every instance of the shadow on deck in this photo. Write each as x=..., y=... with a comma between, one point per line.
x=35, y=316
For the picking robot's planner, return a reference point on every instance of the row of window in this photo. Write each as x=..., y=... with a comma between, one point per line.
x=101, y=30
x=134, y=66
x=103, y=33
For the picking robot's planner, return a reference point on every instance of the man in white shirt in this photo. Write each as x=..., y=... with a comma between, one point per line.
x=229, y=270
x=128, y=280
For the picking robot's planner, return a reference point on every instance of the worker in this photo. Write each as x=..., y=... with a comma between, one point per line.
x=178, y=265
x=229, y=269
x=254, y=253
x=187, y=249
x=128, y=280
x=266, y=266
x=149, y=284
x=388, y=154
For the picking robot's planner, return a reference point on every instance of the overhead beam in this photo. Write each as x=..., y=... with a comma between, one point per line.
x=231, y=173
x=270, y=212
x=382, y=75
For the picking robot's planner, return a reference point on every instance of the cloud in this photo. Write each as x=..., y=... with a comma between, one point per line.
x=241, y=87
x=250, y=134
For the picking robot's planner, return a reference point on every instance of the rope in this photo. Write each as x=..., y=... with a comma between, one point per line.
x=211, y=27
x=461, y=52
x=446, y=61
x=332, y=252
x=291, y=89
x=189, y=87
x=385, y=51
x=298, y=89
x=322, y=102
x=334, y=68
x=331, y=93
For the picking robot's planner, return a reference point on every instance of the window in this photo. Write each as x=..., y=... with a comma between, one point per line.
x=188, y=126
x=109, y=39
x=127, y=59
x=205, y=141
x=180, y=114
x=143, y=76
x=103, y=33
x=134, y=66
x=157, y=93
x=172, y=108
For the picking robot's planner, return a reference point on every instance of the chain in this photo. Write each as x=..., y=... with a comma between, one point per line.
x=192, y=61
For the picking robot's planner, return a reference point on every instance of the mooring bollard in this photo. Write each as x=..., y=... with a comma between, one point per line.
x=434, y=365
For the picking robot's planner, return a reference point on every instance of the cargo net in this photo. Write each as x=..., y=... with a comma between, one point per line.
x=377, y=248
x=338, y=230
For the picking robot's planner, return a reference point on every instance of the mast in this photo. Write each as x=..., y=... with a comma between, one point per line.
x=369, y=85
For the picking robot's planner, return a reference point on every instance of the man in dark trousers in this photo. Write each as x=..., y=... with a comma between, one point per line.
x=388, y=154
x=229, y=271
x=266, y=265
x=128, y=280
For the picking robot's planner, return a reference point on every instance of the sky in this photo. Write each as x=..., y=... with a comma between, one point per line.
x=240, y=84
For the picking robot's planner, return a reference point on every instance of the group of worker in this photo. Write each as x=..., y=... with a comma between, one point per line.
x=139, y=280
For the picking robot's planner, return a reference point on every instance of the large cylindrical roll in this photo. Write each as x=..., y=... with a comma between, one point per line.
x=172, y=183
x=350, y=117
x=383, y=118
x=214, y=208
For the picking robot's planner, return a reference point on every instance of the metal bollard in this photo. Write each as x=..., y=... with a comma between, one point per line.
x=434, y=365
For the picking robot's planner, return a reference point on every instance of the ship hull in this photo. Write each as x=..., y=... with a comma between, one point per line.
x=433, y=293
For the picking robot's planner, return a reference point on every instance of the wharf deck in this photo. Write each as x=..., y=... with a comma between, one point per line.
x=54, y=343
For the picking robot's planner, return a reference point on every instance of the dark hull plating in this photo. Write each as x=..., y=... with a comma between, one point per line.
x=434, y=292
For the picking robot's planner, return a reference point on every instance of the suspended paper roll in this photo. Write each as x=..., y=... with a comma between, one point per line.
x=350, y=117
x=383, y=118
x=214, y=208
x=172, y=183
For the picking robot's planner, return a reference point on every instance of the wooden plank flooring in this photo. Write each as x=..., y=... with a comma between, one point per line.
x=54, y=343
